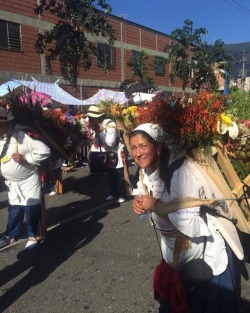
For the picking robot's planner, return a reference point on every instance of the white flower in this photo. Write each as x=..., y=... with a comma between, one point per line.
x=221, y=128
x=233, y=131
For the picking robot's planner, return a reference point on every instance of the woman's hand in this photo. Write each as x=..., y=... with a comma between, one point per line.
x=137, y=205
x=143, y=203
x=18, y=158
x=148, y=202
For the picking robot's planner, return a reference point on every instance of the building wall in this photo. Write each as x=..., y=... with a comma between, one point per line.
x=129, y=37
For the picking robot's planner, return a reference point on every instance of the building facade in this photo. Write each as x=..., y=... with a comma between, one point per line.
x=19, y=26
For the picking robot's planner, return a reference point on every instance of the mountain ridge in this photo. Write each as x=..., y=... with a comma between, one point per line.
x=240, y=52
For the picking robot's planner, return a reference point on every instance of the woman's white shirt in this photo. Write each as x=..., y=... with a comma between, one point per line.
x=187, y=221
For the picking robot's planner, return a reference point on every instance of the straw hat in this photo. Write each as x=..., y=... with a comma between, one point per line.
x=4, y=116
x=94, y=111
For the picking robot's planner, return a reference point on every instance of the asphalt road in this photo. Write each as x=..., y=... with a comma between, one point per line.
x=98, y=256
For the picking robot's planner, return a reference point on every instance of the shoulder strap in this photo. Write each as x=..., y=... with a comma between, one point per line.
x=5, y=147
x=145, y=189
x=172, y=168
x=7, y=142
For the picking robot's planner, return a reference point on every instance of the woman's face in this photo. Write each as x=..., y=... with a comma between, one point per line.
x=145, y=153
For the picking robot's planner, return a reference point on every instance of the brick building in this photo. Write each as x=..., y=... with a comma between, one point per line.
x=19, y=26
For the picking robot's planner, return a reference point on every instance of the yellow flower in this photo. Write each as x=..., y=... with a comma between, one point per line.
x=226, y=119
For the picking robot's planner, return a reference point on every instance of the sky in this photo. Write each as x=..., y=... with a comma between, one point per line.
x=227, y=20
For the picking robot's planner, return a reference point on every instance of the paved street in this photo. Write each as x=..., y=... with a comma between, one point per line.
x=98, y=256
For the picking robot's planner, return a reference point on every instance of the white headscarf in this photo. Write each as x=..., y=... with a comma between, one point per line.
x=153, y=130
x=157, y=133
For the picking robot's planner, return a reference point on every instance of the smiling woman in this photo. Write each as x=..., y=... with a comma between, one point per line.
x=144, y=151
x=187, y=234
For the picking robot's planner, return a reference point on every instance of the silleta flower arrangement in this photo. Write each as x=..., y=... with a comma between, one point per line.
x=193, y=123
x=56, y=127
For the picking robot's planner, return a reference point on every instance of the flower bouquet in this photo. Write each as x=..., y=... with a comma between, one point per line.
x=240, y=146
x=55, y=127
x=195, y=124
x=124, y=116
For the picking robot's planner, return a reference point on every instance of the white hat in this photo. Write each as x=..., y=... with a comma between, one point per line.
x=153, y=130
x=94, y=111
x=4, y=116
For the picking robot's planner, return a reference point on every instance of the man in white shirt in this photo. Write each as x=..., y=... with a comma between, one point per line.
x=20, y=159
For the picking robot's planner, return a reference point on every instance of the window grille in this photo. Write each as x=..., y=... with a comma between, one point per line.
x=160, y=66
x=135, y=54
x=105, y=55
x=10, y=36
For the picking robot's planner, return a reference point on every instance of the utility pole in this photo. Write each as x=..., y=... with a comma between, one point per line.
x=243, y=69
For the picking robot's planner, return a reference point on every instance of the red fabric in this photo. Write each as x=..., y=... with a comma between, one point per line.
x=168, y=288
x=34, y=135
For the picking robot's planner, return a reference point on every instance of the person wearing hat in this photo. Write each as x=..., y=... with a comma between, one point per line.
x=107, y=138
x=20, y=156
x=167, y=180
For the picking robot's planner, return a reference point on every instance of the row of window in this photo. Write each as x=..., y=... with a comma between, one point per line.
x=10, y=38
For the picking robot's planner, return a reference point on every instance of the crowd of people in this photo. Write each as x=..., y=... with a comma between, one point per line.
x=166, y=174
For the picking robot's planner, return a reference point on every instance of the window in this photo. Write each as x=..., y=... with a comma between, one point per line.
x=105, y=55
x=10, y=36
x=160, y=66
x=135, y=54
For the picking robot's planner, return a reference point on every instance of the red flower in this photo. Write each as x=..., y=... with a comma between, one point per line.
x=193, y=123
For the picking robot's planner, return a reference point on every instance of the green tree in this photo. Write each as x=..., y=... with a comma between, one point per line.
x=194, y=60
x=240, y=104
x=140, y=65
x=67, y=40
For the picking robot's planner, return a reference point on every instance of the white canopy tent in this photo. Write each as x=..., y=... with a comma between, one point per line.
x=52, y=89
x=139, y=97
x=106, y=95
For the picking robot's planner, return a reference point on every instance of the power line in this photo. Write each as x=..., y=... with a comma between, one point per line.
x=238, y=6
x=244, y=8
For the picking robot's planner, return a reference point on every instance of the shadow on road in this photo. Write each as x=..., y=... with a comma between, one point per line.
x=62, y=242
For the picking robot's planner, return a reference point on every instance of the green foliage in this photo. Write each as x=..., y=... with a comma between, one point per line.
x=67, y=40
x=240, y=104
x=126, y=83
x=240, y=168
x=193, y=60
x=140, y=67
